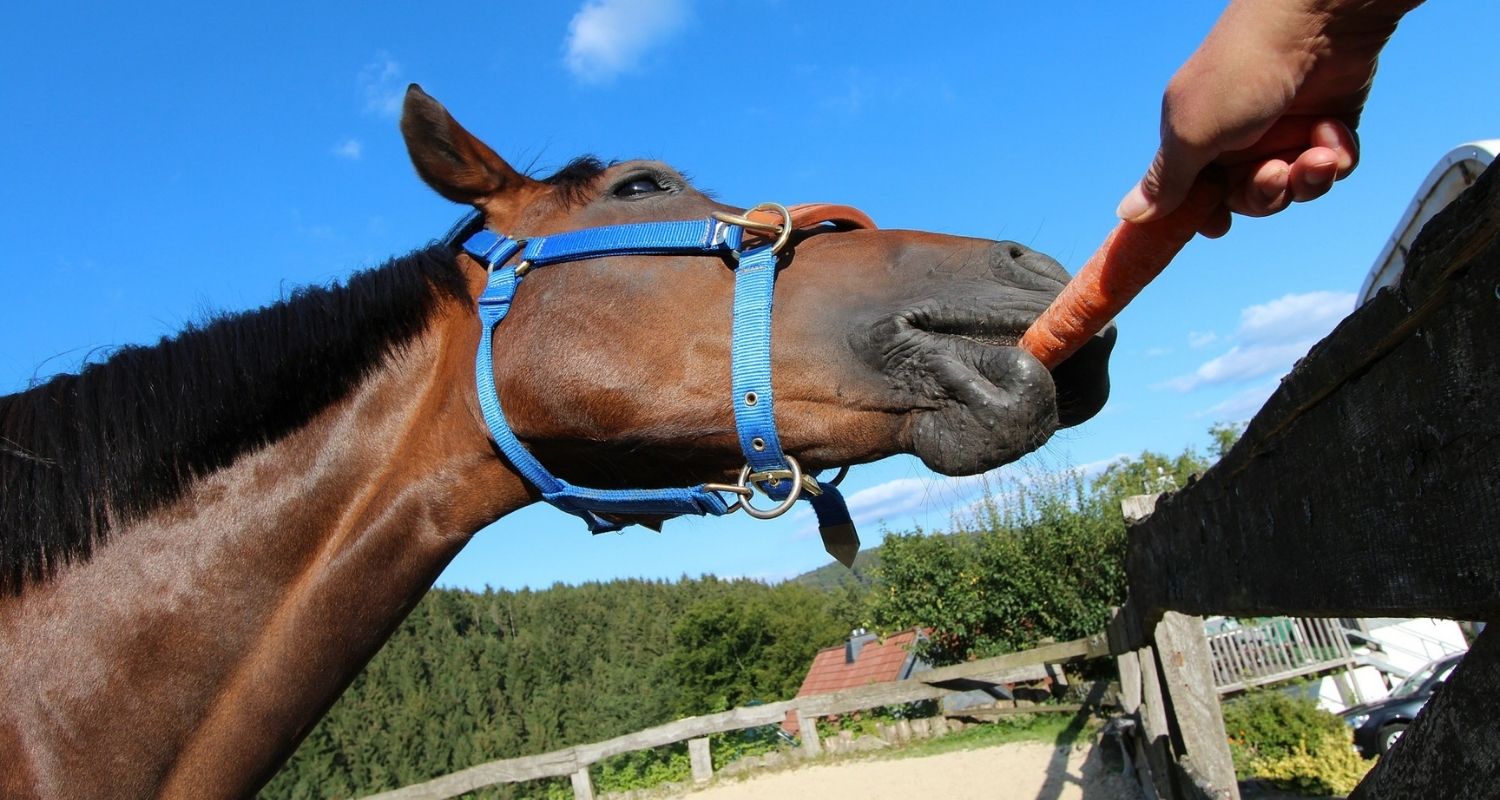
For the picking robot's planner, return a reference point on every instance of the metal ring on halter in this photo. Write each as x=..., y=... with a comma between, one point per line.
x=783, y=231
x=779, y=508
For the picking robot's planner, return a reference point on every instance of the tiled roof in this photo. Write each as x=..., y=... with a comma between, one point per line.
x=878, y=662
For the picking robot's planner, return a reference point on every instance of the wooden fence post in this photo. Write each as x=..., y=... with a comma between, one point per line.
x=1132, y=704
x=812, y=747
x=1157, y=739
x=1191, y=738
x=703, y=762
x=1129, y=667
x=583, y=785
x=1187, y=671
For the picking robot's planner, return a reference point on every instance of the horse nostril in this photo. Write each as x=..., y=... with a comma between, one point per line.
x=1025, y=268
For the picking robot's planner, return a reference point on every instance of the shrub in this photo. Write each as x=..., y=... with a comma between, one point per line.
x=1291, y=743
x=1329, y=766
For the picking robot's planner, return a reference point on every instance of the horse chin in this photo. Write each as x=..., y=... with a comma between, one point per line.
x=998, y=404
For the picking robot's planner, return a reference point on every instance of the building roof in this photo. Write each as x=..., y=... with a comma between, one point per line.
x=875, y=661
x=878, y=662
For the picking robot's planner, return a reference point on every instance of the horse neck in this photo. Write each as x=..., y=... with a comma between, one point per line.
x=191, y=653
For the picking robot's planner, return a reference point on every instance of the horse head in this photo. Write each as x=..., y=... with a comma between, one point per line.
x=616, y=370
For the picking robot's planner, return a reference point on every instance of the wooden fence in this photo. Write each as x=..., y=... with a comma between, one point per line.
x=1276, y=650
x=575, y=761
x=1368, y=485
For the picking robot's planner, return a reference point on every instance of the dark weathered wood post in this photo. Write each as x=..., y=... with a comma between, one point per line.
x=1368, y=485
x=1452, y=749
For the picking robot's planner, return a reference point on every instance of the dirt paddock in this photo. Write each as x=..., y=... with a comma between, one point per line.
x=1018, y=771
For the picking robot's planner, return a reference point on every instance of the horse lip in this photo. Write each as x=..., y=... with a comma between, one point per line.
x=1083, y=380
x=998, y=403
x=986, y=330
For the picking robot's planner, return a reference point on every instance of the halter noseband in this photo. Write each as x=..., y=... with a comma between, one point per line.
x=767, y=468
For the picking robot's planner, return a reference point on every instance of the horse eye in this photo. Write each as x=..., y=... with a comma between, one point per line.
x=635, y=187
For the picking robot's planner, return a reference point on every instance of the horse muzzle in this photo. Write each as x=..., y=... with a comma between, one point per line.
x=977, y=399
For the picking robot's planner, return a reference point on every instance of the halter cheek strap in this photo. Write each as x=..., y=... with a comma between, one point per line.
x=767, y=468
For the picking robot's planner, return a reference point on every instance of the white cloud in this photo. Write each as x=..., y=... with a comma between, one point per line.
x=892, y=500
x=1158, y=352
x=608, y=37
x=1270, y=338
x=350, y=149
x=1241, y=406
x=1200, y=339
x=902, y=497
x=1093, y=468
x=380, y=83
x=1295, y=316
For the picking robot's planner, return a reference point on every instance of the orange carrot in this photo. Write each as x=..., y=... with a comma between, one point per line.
x=1131, y=256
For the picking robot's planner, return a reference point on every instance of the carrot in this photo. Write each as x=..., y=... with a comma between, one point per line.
x=1131, y=256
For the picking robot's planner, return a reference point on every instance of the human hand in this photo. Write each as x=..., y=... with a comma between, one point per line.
x=1272, y=98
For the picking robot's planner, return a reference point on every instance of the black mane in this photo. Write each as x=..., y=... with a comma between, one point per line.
x=128, y=435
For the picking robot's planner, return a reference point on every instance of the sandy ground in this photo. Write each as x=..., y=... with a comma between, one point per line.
x=1020, y=771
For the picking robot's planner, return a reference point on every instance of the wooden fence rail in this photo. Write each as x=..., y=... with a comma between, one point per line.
x=575, y=761
x=1366, y=486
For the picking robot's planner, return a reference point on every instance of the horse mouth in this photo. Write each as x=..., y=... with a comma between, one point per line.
x=985, y=401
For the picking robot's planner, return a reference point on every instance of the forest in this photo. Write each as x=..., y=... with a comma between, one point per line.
x=471, y=677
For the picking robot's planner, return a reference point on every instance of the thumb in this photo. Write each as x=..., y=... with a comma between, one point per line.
x=1166, y=183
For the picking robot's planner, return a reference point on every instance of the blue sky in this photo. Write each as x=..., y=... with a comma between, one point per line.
x=166, y=161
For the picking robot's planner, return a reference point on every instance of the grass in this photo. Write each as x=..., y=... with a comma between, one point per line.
x=1053, y=729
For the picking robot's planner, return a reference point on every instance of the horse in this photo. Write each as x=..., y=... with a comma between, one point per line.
x=204, y=540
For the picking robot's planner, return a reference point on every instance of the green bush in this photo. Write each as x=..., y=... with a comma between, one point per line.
x=1328, y=766
x=1291, y=743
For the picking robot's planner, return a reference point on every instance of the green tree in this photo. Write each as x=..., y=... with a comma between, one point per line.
x=1043, y=560
x=751, y=644
x=1039, y=558
x=1225, y=434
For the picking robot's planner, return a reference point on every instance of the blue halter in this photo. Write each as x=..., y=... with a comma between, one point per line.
x=767, y=468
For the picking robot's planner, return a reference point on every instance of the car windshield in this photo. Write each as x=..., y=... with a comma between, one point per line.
x=1409, y=687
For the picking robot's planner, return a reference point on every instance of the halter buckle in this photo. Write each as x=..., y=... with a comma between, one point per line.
x=746, y=485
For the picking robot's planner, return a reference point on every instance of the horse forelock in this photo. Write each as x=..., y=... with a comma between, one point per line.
x=82, y=453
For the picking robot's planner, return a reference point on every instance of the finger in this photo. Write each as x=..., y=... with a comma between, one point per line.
x=1339, y=138
x=1217, y=224
x=1297, y=133
x=1313, y=174
x=1167, y=181
x=1260, y=190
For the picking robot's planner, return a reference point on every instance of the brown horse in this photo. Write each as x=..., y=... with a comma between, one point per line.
x=203, y=541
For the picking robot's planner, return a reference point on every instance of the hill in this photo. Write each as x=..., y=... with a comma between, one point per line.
x=835, y=576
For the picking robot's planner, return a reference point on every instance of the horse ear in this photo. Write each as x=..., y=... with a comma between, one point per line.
x=450, y=159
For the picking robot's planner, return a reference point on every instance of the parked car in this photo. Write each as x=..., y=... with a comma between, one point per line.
x=1378, y=725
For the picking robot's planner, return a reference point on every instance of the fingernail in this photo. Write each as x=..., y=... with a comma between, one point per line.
x=1134, y=206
